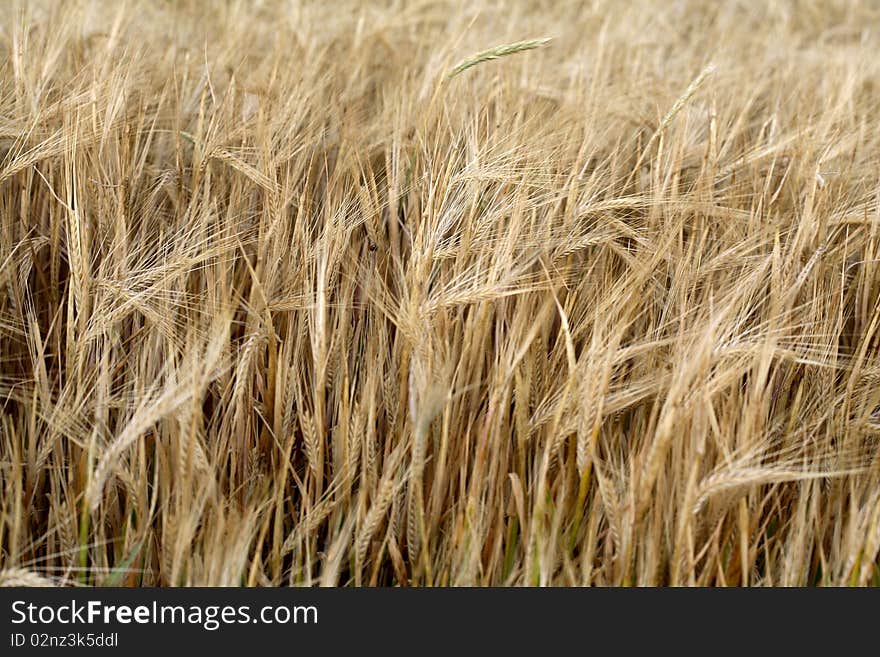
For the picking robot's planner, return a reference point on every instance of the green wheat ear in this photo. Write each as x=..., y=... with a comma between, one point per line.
x=496, y=53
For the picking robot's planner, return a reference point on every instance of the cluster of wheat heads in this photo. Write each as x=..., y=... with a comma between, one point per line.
x=400, y=293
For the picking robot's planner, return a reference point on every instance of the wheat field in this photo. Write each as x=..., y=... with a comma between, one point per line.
x=431, y=293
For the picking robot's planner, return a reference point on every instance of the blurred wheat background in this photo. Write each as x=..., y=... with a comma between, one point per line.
x=403, y=293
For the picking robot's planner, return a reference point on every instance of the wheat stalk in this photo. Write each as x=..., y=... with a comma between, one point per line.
x=496, y=53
